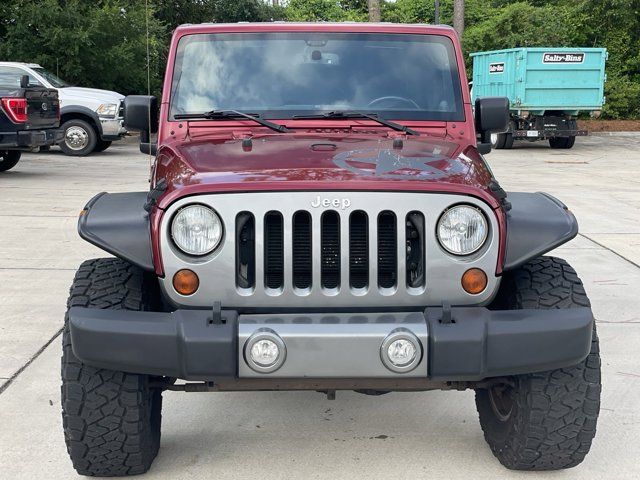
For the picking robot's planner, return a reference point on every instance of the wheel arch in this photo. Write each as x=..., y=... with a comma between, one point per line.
x=78, y=112
x=119, y=224
x=536, y=223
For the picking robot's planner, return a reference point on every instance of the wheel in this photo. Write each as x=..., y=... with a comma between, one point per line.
x=565, y=142
x=80, y=138
x=111, y=419
x=497, y=140
x=9, y=159
x=508, y=141
x=562, y=142
x=547, y=420
x=508, y=136
x=102, y=145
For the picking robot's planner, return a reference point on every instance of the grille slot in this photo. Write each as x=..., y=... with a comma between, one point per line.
x=330, y=250
x=245, y=250
x=387, y=250
x=415, y=245
x=358, y=250
x=273, y=250
x=301, y=250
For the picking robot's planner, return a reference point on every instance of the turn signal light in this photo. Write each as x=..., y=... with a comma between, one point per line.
x=16, y=109
x=474, y=281
x=186, y=282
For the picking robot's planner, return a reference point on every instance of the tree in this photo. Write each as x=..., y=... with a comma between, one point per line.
x=374, y=10
x=458, y=16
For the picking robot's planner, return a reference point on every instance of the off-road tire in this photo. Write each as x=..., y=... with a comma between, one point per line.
x=91, y=137
x=102, y=145
x=553, y=417
x=9, y=159
x=111, y=419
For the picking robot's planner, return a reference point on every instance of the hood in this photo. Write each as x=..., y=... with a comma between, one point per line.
x=97, y=95
x=321, y=162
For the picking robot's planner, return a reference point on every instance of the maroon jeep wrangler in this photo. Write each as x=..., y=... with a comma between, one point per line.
x=321, y=217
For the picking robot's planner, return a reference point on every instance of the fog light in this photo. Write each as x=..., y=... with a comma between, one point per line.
x=265, y=352
x=401, y=351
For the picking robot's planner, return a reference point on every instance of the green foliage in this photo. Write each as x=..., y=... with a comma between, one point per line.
x=102, y=43
x=99, y=44
x=326, y=10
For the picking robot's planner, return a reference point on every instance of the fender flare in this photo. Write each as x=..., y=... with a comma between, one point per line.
x=118, y=223
x=83, y=111
x=536, y=223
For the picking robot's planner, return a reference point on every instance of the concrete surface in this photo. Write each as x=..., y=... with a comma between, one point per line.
x=302, y=435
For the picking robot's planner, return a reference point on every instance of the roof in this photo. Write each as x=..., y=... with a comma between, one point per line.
x=382, y=27
x=23, y=64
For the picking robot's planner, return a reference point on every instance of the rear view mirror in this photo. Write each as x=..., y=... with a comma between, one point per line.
x=491, y=116
x=141, y=113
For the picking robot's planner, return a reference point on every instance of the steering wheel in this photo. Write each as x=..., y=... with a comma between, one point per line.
x=393, y=98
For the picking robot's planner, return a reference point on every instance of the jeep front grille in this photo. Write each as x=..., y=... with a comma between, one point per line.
x=328, y=250
x=334, y=244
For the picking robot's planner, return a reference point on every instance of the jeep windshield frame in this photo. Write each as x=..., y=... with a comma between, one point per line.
x=289, y=75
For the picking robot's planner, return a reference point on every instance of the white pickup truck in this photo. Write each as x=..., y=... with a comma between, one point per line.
x=91, y=118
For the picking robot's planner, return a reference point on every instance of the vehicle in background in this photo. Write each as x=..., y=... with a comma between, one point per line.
x=547, y=88
x=29, y=119
x=91, y=118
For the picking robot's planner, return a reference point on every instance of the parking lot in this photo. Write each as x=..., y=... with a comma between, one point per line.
x=302, y=434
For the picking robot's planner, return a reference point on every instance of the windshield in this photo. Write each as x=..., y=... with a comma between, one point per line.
x=51, y=78
x=281, y=75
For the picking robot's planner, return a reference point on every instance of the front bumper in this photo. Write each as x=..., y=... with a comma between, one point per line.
x=549, y=133
x=191, y=344
x=28, y=139
x=112, y=128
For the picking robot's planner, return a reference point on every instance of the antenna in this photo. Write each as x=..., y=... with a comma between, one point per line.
x=146, y=17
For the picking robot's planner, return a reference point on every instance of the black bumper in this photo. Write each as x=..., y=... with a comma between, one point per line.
x=549, y=133
x=478, y=343
x=27, y=139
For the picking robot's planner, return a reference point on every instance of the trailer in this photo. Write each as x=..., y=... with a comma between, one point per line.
x=547, y=88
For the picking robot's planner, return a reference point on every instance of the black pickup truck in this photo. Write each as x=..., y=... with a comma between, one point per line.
x=29, y=118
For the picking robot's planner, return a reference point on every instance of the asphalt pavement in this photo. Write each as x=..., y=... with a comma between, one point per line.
x=302, y=434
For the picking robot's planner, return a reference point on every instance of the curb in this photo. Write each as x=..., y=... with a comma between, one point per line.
x=614, y=134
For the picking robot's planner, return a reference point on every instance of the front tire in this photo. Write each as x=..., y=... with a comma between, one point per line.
x=9, y=159
x=80, y=138
x=546, y=420
x=111, y=419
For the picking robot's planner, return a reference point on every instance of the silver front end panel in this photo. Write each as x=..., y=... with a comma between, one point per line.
x=218, y=271
x=333, y=346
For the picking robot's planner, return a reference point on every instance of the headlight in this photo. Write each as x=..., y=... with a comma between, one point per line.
x=107, y=110
x=196, y=230
x=462, y=230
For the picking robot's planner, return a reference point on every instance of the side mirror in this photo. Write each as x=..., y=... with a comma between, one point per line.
x=24, y=81
x=492, y=116
x=141, y=113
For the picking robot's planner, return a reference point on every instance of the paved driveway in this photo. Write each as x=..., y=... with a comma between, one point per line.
x=303, y=435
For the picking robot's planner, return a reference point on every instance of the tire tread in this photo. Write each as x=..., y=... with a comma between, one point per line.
x=557, y=410
x=111, y=419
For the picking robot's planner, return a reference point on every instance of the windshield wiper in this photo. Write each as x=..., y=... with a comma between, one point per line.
x=217, y=114
x=370, y=116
